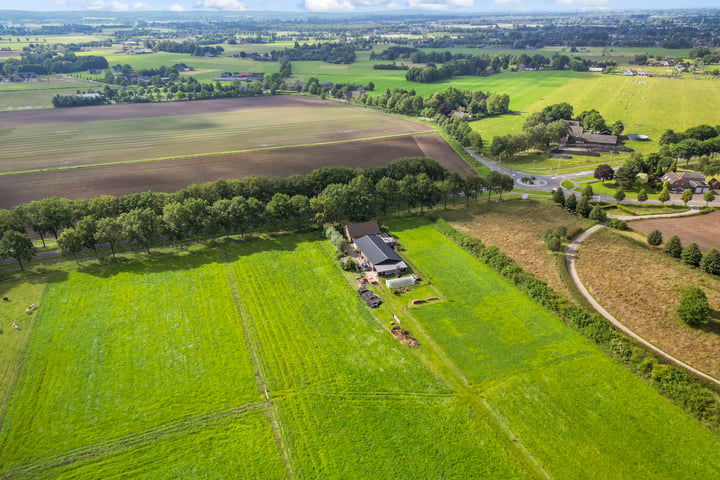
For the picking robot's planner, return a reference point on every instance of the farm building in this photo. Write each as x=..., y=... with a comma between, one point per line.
x=579, y=135
x=380, y=256
x=682, y=181
x=353, y=231
x=714, y=183
x=400, y=282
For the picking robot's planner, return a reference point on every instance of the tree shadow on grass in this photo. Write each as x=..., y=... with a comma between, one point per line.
x=35, y=275
x=713, y=326
x=193, y=255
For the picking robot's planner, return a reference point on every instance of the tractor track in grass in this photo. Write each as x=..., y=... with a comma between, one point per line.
x=119, y=443
x=259, y=376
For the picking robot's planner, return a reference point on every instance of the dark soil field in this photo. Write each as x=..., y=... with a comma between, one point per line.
x=150, y=110
x=172, y=175
x=701, y=229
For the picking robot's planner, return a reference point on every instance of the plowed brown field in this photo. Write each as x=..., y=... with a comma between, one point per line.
x=701, y=229
x=172, y=175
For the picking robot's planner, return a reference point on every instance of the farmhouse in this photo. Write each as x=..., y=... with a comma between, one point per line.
x=579, y=135
x=380, y=256
x=353, y=231
x=714, y=183
x=682, y=181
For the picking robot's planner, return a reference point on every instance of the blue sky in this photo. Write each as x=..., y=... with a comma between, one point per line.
x=354, y=5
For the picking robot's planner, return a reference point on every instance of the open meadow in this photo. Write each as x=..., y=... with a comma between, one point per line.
x=38, y=94
x=255, y=359
x=642, y=287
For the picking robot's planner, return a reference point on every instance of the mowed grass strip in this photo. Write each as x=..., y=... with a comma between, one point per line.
x=350, y=437
x=238, y=446
x=120, y=350
x=577, y=412
x=310, y=331
x=642, y=288
x=42, y=146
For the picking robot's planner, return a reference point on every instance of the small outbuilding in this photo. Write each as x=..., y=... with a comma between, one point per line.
x=401, y=282
x=353, y=231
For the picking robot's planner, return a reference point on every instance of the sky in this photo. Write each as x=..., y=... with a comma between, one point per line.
x=321, y=6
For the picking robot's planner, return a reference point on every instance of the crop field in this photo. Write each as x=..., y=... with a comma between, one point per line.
x=577, y=412
x=701, y=229
x=517, y=228
x=139, y=133
x=642, y=288
x=172, y=175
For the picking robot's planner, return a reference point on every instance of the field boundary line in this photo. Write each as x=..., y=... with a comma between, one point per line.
x=215, y=154
x=124, y=442
x=259, y=376
x=570, y=254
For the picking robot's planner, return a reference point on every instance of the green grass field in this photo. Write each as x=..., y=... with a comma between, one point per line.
x=157, y=366
x=32, y=95
x=580, y=414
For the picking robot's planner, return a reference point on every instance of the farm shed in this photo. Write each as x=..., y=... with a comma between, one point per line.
x=353, y=231
x=400, y=282
x=380, y=256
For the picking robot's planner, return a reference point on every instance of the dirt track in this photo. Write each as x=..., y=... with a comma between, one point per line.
x=701, y=229
x=172, y=175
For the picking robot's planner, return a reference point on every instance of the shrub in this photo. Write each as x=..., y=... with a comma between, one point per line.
x=673, y=247
x=559, y=196
x=654, y=238
x=350, y=266
x=571, y=202
x=692, y=255
x=597, y=214
x=617, y=224
x=711, y=262
x=694, y=308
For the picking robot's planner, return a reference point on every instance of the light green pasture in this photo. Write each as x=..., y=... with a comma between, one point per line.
x=32, y=95
x=577, y=412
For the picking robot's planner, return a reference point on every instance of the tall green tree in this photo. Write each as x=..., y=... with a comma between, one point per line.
x=664, y=195
x=642, y=195
x=141, y=226
x=471, y=186
x=360, y=199
x=691, y=255
x=559, y=196
x=278, y=208
x=110, y=231
x=408, y=191
x=197, y=215
x=18, y=246
x=87, y=228
x=654, y=238
x=686, y=196
x=604, y=172
x=71, y=242
x=175, y=221
x=708, y=197
x=386, y=191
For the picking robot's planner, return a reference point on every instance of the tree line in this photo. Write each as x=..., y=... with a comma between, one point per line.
x=235, y=206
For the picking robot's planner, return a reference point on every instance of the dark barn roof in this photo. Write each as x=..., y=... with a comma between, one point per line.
x=376, y=251
x=357, y=230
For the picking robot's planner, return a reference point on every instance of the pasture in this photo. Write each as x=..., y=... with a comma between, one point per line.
x=642, y=287
x=38, y=94
x=579, y=414
x=172, y=382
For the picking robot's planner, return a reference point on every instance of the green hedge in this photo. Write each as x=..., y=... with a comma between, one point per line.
x=675, y=383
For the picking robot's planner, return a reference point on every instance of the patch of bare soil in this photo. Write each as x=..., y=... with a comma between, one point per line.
x=701, y=229
x=642, y=288
x=516, y=227
x=173, y=175
x=404, y=337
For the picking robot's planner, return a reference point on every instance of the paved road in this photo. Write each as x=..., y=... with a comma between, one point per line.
x=570, y=254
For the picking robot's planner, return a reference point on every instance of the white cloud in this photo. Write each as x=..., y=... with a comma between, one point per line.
x=60, y=3
x=504, y=3
x=439, y=4
x=329, y=5
x=221, y=5
x=142, y=6
x=108, y=6
x=176, y=7
x=582, y=2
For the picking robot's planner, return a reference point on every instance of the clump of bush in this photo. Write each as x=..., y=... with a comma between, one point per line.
x=336, y=239
x=654, y=238
x=694, y=308
x=617, y=224
x=554, y=238
x=350, y=265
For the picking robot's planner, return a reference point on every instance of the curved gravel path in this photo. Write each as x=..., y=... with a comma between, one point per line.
x=570, y=253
